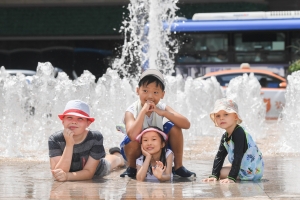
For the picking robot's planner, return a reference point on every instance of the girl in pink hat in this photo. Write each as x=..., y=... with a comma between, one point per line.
x=77, y=153
x=156, y=161
x=243, y=154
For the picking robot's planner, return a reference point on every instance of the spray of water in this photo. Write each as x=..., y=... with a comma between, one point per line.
x=245, y=91
x=289, y=121
x=29, y=111
x=161, y=49
x=131, y=59
x=147, y=43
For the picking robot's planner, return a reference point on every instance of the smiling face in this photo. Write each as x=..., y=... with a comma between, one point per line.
x=76, y=124
x=226, y=120
x=151, y=92
x=152, y=142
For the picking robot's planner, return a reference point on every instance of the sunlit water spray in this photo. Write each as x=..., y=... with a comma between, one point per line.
x=29, y=111
x=147, y=43
x=289, y=122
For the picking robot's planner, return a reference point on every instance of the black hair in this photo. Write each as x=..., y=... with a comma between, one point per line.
x=163, y=150
x=150, y=79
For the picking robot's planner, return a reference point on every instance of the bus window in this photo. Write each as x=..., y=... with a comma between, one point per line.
x=202, y=47
x=259, y=47
x=295, y=45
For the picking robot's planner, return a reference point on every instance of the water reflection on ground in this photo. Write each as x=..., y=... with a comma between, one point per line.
x=23, y=179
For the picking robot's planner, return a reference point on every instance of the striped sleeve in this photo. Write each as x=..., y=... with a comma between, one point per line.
x=54, y=144
x=97, y=151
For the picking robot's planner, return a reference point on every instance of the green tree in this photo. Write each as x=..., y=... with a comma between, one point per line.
x=295, y=66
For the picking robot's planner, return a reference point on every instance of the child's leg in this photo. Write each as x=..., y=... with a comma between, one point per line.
x=225, y=171
x=176, y=143
x=132, y=152
x=115, y=160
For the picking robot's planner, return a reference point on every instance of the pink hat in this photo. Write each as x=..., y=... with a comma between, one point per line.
x=139, y=137
x=77, y=108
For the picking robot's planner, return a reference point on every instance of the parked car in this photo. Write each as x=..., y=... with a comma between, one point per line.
x=27, y=73
x=273, y=86
x=30, y=73
x=21, y=71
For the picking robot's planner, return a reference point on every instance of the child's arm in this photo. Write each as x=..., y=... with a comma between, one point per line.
x=64, y=162
x=240, y=147
x=164, y=174
x=142, y=170
x=178, y=119
x=218, y=162
x=86, y=173
x=135, y=126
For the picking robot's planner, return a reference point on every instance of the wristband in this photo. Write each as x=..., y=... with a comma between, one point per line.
x=213, y=176
x=233, y=179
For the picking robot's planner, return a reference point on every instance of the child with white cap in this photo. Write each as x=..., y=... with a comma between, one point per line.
x=147, y=111
x=77, y=153
x=243, y=154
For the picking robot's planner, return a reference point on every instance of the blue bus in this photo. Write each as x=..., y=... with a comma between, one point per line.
x=217, y=41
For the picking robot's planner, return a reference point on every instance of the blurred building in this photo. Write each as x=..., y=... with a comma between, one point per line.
x=75, y=35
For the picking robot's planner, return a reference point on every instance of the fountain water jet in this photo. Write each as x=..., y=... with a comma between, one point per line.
x=147, y=43
x=289, y=121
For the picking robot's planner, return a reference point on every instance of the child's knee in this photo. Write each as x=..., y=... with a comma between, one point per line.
x=132, y=149
x=175, y=130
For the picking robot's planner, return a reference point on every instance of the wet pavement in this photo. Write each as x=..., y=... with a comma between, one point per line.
x=23, y=179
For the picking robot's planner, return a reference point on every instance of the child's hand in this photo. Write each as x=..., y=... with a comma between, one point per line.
x=59, y=175
x=209, y=179
x=144, y=152
x=226, y=180
x=148, y=106
x=158, y=170
x=68, y=135
x=158, y=111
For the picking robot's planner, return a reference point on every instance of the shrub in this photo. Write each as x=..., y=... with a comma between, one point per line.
x=295, y=66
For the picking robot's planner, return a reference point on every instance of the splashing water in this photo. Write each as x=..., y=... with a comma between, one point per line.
x=245, y=91
x=147, y=43
x=289, y=122
x=161, y=49
x=29, y=111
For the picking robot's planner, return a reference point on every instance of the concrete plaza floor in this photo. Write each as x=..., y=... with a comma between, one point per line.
x=23, y=179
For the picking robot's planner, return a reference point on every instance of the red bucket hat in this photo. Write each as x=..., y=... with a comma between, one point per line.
x=77, y=108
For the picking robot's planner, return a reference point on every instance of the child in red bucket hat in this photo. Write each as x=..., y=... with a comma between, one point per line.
x=77, y=153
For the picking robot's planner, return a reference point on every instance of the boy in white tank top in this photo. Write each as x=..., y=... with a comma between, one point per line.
x=149, y=111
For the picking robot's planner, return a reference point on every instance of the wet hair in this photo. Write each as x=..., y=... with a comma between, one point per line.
x=163, y=150
x=151, y=79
